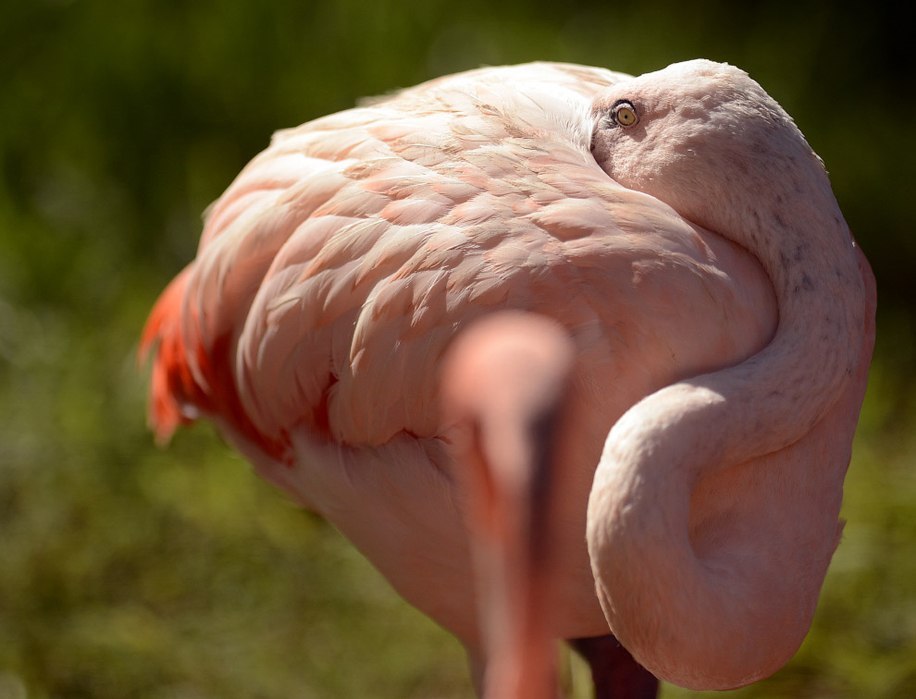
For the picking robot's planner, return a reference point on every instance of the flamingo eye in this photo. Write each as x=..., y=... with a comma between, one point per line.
x=624, y=114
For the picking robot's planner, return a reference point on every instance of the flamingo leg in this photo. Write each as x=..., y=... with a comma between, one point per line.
x=615, y=674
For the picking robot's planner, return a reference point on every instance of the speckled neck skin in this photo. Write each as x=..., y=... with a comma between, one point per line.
x=710, y=143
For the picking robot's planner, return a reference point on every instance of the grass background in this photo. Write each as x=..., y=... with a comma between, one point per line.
x=127, y=571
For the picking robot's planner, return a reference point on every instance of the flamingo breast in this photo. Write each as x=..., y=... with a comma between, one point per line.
x=338, y=266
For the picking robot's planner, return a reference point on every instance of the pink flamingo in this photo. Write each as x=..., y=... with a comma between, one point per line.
x=680, y=229
x=504, y=385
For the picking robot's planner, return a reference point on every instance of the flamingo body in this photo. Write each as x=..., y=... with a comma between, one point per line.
x=339, y=265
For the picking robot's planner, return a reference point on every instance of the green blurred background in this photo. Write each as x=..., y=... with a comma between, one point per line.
x=128, y=571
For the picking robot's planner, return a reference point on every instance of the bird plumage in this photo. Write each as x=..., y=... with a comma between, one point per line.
x=339, y=265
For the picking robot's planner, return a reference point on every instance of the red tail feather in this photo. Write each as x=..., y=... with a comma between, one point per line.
x=173, y=390
x=178, y=394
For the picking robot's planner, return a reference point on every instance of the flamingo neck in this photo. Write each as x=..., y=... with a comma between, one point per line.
x=513, y=561
x=504, y=386
x=727, y=619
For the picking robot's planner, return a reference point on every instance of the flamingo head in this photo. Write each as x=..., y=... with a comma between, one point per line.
x=707, y=140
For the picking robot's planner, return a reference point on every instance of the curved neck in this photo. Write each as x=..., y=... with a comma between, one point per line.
x=729, y=618
x=806, y=249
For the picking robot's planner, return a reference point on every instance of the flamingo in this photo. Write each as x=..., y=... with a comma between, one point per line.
x=683, y=234
x=505, y=381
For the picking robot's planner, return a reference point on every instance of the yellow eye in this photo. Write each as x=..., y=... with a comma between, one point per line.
x=625, y=114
